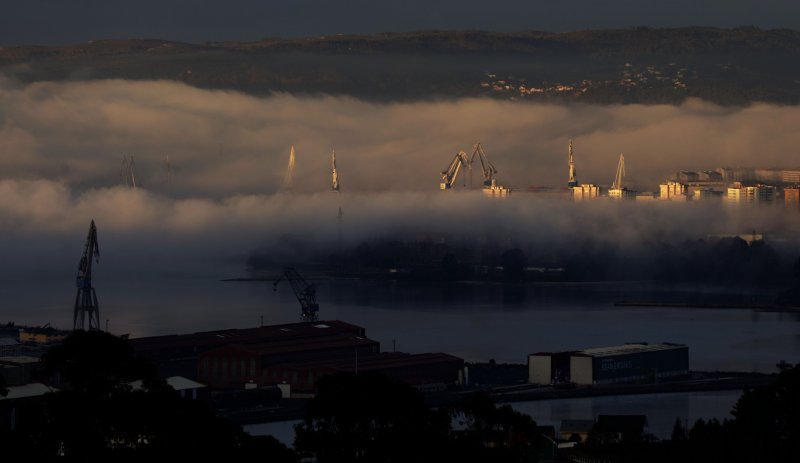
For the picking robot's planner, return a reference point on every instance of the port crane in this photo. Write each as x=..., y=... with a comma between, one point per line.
x=305, y=292
x=127, y=174
x=334, y=173
x=617, y=185
x=488, y=168
x=573, y=174
x=449, y=176
x=86, y=299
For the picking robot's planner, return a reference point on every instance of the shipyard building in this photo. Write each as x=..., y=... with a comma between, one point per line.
x=294, y=354
x=606, y=365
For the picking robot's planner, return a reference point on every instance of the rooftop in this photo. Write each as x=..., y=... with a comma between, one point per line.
x=631, y=348
x=27, y=390
x=19, y=360
x=209, y=339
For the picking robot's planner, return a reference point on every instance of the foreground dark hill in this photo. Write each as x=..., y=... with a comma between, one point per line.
x=642, y=65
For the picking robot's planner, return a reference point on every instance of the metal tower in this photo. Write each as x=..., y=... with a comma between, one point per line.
x=289, y=179
x=127, y=175
x=573, y=174
x=335, y=175
x=620, y=173
x=86, y=299
x=305, y=292
x=449, y=176
x=486, y=166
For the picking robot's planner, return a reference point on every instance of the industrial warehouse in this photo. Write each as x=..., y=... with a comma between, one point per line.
x=633, y=362
x=296, y=354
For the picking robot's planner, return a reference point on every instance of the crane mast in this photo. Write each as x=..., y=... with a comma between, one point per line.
x=573, y=174
x=288, y=180
x=305, y=292
x=127, y=174
x=449, y=176
x=620, y=173
x=488, y=168
x=335, y=175
x=86, y=300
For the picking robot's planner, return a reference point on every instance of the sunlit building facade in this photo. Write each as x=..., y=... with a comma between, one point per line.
x=673, y=191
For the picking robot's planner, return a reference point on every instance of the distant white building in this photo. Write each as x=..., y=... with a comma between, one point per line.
x=585, y=191
x=758, y=194
x=673, y=191
x=704, y=194
x=621, y=193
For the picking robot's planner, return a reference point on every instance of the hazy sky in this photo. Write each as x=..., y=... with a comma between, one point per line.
x=59, y=21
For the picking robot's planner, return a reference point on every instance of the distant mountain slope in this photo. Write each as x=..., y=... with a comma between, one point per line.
x=641, y=65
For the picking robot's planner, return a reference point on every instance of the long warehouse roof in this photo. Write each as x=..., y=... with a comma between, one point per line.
x=633, y=348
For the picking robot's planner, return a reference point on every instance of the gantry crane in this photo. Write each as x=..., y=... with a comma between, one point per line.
x=86, y=300
x=305, y=292
x=449, y=176
x=488, y=168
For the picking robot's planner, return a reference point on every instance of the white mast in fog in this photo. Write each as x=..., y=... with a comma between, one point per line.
x=335, y=175
x=127, y=176
x=289, y=180
x=617, y=185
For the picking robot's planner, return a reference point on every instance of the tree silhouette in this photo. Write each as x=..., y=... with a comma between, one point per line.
x=99, y=417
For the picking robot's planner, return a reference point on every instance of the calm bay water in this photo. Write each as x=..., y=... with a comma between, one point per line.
x=475, y=321
x=661, y=409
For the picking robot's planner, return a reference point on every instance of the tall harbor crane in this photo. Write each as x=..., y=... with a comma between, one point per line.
x=449, y=176
x=617, y=185
x=127, y=174
x=305, y=292
x=86, y=300
x=288, y=180
x=488, y=168
x=573, y=175
x=334, y=174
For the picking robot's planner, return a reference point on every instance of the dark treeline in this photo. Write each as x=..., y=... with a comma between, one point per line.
x=721, y=262
x=765, y=427
x=97, y=416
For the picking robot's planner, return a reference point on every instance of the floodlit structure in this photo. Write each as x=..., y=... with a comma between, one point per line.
x=585, y=191
x=673, y=191
x=617, y=190
x=450, y=175
x=335, y=175
x=288, y=181
x=490, y=186
x=750, y=195
x=573, y=174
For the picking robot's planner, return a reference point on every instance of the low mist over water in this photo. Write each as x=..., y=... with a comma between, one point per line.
x=165, y=245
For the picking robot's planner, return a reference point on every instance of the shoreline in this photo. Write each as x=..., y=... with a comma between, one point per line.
x=294, y=409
